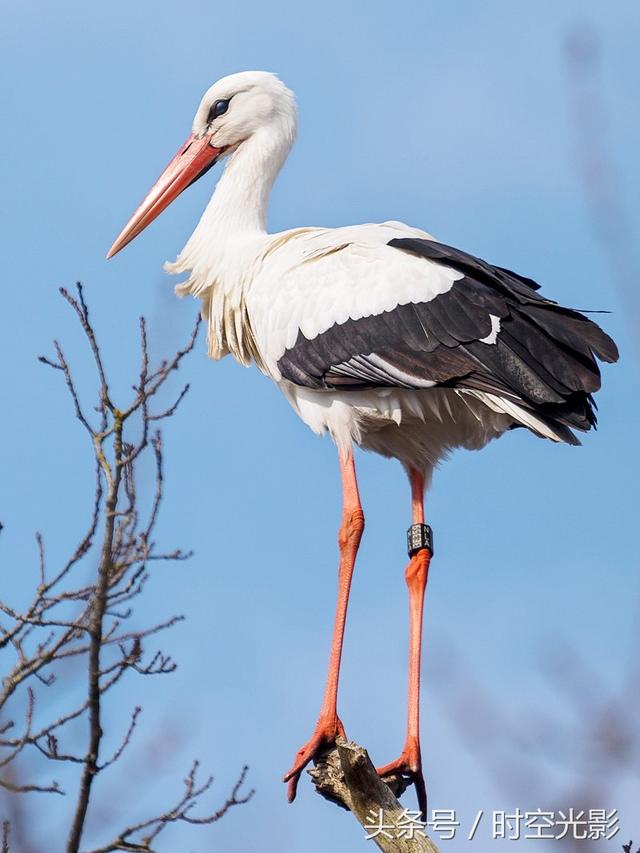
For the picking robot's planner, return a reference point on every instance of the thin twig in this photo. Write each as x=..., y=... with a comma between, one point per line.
x=86, y=620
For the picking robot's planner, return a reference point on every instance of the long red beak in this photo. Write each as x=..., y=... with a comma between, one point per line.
x=192, y=160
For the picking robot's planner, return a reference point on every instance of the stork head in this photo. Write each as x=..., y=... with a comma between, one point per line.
x=231, y=112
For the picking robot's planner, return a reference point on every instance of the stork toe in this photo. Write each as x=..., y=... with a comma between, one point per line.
x=323, y=738
x=409, y=766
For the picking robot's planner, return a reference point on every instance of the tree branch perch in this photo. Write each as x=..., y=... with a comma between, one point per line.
x=345, y=776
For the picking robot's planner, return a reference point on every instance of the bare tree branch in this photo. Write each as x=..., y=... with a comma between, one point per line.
x=84, y=619
x=148, y=830
x=345, y=776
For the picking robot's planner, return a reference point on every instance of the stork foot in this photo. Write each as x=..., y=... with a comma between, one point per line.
x=409, y=767
x=324, y=737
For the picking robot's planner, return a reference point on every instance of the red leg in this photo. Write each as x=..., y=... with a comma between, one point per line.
x=329, y=725
x=410, y=762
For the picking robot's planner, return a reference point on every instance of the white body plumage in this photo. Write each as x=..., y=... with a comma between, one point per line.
x=260, y=292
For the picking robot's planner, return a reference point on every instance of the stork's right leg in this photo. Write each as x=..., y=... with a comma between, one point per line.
x=329, y=725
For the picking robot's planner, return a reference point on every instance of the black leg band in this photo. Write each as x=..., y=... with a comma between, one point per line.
x=419, y=536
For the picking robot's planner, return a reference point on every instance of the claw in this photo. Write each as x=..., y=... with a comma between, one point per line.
x=323, y=737
x=409, y=766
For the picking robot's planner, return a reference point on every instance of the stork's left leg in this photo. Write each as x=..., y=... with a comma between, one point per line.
x=420, y=551
x=329, y=725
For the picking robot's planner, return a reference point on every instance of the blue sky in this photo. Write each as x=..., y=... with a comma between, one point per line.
x=453, y=117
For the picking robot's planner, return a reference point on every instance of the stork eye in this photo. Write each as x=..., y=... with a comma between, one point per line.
x=219, y=108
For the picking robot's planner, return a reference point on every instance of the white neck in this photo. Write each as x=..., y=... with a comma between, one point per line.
x=224, y=241
x=241, y=197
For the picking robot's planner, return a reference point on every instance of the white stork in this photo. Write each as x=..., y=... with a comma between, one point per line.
x=376, y=333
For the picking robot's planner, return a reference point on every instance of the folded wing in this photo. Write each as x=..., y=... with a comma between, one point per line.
x=488, y=333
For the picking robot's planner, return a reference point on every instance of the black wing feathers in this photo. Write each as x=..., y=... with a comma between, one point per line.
x=575, y=331
x=543, y=356
x=471, y=266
